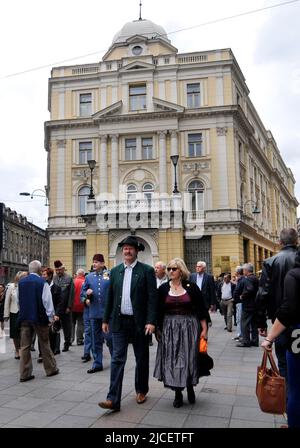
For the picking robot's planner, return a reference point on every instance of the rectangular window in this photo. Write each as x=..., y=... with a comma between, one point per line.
x=193, y=95
x=147, y=152
x=79, y=255
x=137, y=97
x=85, y=106
x=195, y=145
x=85, y=152
x=130, y=149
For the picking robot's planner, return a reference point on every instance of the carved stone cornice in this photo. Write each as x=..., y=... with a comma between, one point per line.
x=162, y=134
x=114, y=138
x=221, y=131
x=103, y=138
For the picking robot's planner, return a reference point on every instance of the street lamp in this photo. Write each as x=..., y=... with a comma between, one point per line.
x=255, y=209
x=92, y=164
x=174, y=159
x=33, y=194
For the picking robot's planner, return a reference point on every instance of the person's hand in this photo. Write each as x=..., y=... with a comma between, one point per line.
x=158, y=334
x=105, y=327
x=213, y=308
x=267, y=344
x=87, y=302
x=262, y=332
x=149, y=329
x=55, y=318
x=89, y=292
x=203, y=334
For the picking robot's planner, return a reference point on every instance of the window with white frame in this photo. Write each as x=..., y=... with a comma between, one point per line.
x=193, y=95
x=130, y=149
x=148, y=190
x=195, y=145
x=196, y=193
x=83, y=194
x=85, y=152
x=79, y=255
x=147, y=148
x=131, y=195
x=85, y=104
x=137, y=97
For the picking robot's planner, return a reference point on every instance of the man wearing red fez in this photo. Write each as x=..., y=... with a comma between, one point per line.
x=94, y=294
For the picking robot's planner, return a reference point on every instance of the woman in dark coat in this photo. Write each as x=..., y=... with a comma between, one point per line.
x=288, y=317
x=182, y=320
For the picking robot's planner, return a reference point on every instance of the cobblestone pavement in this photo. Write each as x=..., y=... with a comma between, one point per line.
x=226, y=399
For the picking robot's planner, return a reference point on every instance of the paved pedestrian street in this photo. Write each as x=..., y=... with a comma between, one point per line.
x=226, y=399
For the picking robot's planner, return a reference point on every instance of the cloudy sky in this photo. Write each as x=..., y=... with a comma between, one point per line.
x=36, y=33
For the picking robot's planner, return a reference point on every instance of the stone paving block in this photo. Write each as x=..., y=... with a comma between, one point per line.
x=166, y=405
x=25, y=403
x=166, y=419
x=71, y=421
x=204, y=397
x=75, y=395
x=34, y=419
x=86, y=410
x=245, y=390
x=212, y=409
x=203, y=421
x=235, y=423
x=251, y=413
x=246, y=400
x=8, y=414
x=55, y=406
x=102, y=423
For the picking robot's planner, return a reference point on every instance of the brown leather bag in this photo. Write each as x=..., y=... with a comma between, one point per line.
x=270, y=386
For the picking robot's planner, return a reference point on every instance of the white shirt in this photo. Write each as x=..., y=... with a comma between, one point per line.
x=160, y=281
x=126, y=305
x=200, y=280
x=226, y=291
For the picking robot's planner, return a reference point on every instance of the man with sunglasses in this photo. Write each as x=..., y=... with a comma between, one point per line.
x=131, y=309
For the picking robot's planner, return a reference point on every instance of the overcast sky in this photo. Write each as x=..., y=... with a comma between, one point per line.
x=36, y=33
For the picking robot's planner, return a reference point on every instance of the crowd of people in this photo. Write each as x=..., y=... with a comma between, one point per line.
x=134, y=301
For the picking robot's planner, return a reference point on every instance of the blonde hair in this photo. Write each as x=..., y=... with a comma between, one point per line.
x=179, y=263
x=19, y=275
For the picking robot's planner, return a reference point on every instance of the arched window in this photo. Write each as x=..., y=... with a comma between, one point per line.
x=196, y=190
x=148, y=190
x=131, y=194
x=83, y=194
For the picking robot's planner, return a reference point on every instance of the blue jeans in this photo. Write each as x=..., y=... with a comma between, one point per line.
x=98, y=338
x=140, y=344
x=281, y=344
x=87, y=333
x=293, y=371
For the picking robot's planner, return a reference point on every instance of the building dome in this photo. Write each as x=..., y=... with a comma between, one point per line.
x=142, y=27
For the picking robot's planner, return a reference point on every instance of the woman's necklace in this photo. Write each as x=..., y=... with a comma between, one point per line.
x=176, y=287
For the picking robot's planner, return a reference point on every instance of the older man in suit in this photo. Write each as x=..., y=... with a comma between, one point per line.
x=131, y=309
x=206, y=284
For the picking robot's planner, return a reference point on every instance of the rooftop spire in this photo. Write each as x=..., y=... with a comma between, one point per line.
x=140, y=18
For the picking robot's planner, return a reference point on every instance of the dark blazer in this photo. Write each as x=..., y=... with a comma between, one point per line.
x=195, y=294
x=143, y=296
x=208, y=288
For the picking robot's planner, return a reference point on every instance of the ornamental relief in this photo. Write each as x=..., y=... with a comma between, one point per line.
x=83, y=173
x=195, y=167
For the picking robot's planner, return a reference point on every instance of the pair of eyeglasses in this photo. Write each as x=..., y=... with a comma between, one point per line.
x=172, y=269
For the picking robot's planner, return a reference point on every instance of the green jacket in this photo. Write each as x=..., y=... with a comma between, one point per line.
x=143, y=297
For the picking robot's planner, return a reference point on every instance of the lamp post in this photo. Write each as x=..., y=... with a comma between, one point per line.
x=34, y=194
x=174, y=159
x=92, y=164
x=255, y=209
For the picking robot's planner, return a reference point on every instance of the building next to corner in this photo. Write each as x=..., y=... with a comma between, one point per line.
x=130, y=112
x=20, y=242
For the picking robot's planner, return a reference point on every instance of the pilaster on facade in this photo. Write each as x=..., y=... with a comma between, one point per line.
x=162, y=135
x=103, y=177
x=115, y=165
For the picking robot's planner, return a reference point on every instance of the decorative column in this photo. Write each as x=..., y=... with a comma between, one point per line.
x=115, y=165
x=162, y=162
x=103, y=164
x=222, y=167
x=60, y=178
x=174, y=152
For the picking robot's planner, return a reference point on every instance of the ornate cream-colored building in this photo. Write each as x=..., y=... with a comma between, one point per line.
x=143, y=103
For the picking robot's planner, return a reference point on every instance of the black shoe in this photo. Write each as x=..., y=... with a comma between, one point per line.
x=178, y=402
x=54, y=373
x=40, y=359
x=86, y=358
x=56, y=352
x=95, y=369
x=191, y=394
x=79, y=343
x=66, y=348
x=241, y=344
x=31, y=377
x=32, y=349
x=254, y=344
